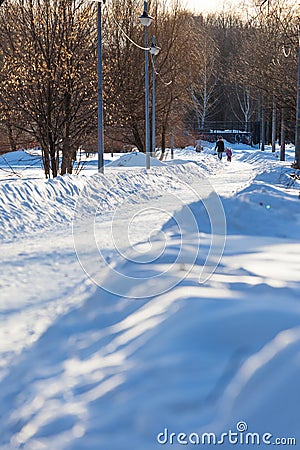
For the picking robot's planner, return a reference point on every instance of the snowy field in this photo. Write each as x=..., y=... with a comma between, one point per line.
x=148, y=309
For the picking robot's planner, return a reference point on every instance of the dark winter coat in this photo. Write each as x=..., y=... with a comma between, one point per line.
x=220, y=147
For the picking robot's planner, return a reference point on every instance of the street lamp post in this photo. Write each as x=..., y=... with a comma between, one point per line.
x=154, y=50
x=297, y=124
x=297, y=133
x=146, y=20
x=100, y=93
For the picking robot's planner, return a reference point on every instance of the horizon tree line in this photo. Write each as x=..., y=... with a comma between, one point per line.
x=228, y=66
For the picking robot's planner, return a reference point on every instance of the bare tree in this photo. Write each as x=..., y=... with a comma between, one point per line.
x=205, y=77
x=48, y=50
x=124, y=76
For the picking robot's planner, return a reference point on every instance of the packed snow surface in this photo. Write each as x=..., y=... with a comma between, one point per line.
x=143, y=309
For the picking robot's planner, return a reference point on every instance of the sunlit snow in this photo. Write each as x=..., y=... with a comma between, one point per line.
x=120, y=363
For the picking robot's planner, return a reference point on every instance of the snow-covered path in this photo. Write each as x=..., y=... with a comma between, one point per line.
x=38, y=272
x=41, y=279
x=82, y=368
x=237, y=176
x=41, y=276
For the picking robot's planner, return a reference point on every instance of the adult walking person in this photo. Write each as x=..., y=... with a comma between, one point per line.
x=220, y=147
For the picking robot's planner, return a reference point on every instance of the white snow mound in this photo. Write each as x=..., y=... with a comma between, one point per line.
x=134, y=159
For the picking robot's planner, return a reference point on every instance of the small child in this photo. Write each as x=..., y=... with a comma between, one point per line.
x=229, y=154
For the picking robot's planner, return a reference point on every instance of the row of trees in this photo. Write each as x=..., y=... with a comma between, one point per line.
x=48, y=76
x=226, y=66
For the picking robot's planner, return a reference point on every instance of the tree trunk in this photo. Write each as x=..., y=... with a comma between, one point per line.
x=282, y=136
x=204, y=103
x=11, y=139
x=172, y=144
x=273, y=126
x=66, y=164
x=137, y=139
x=258, y=121
x=46, y=162
x=67, y=153
x=263, y=126
x=163, y=143
x=53, y=160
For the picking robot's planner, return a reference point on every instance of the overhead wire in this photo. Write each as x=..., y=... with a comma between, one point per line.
x=158, y=74
x=142, y=48
x=128, y=37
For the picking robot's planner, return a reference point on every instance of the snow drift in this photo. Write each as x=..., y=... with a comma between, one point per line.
x=105, y=371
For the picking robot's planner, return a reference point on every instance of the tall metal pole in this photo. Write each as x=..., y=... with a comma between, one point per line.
x=297, y=134
x=263, y=125
x=147, y=124
x=146, y=20
x=100, y=95
x=153, y=99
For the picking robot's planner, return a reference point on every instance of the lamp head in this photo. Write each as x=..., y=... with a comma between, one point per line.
x=154, y=50
x=145, y=19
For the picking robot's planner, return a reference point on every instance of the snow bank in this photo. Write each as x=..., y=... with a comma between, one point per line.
x=19, y=164
x=275, y=370
x=19, y=157
x=205, y=160
x=113, y=373
x=134, y=159
x=38, y=205
x=272, y=198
